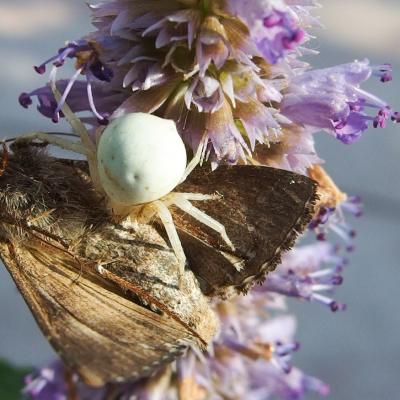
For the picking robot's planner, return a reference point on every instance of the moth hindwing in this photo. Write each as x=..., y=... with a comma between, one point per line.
x=263, y=211
x=107, y=298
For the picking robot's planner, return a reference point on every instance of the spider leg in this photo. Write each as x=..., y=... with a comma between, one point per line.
x=195, y=161
x=196, y=196
x=166, y=219
x=76, y=147
x=76, y=124
x=80, y=129
x=184, y=204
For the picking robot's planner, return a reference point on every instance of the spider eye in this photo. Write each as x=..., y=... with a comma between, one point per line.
x=141, y=158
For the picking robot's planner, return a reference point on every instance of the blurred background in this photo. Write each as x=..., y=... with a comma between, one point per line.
x=358, y=351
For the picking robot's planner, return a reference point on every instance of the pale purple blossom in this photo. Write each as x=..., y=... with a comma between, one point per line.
x=333, y=220
x=227, y=81
x=331, y=99
x=309, y=273
x=293, y=150
x=277, y=27
x=76, y=97
x=51, y=383
x=88, y=64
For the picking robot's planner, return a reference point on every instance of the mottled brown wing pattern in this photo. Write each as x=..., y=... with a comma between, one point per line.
x=107, y=297
x=97, y=330
x=263, y=210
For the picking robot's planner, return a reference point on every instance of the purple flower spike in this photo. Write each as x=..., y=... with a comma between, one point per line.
x=333, y=220
x=88, y=63
x=302, y=275
x=331, y=99
x=78, y=99
x=275, y=27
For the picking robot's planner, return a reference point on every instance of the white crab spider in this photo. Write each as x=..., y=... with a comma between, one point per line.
x=138, y=161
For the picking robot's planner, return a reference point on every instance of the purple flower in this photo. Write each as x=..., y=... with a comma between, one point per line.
x=55, y=382
x=77, y=97
x=252, y=356
x=227, y=73
x=303, y=275
x=294, y=150
x=331, y=99
x=276, y=26
x=189, y=61
x=205, y=94
x=333, y=219
x=88, y=64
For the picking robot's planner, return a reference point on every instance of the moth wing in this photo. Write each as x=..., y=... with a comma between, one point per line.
x=96, y=329
x=263, y=210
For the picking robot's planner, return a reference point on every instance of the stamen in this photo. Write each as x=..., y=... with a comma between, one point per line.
x=65, y=94
x=101, y=119
x=25, y=100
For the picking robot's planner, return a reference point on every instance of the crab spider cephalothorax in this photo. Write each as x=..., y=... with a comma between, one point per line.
x=137, y=162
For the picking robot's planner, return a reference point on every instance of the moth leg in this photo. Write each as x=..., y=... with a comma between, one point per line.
x=166, y=219
x=76, y=147
x=181, y=201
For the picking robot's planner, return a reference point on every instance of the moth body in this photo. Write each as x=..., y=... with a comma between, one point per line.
x=141, y=158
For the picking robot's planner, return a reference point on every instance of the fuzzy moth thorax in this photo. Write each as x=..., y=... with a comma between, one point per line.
x=141, y=158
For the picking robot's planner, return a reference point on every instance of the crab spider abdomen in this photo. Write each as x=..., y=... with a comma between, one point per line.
x=141, y=158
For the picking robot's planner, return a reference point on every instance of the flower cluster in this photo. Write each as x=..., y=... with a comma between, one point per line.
x=230, y=74
x=227, y=71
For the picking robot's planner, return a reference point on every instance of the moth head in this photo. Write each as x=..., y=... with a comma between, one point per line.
x=140, y=158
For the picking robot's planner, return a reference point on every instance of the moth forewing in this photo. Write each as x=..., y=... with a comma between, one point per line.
x=107, y=298
x=99, y=332
x=263, y=210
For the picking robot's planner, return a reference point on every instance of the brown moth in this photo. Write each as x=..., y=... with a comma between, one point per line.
x=263, y=210
x=107, y=298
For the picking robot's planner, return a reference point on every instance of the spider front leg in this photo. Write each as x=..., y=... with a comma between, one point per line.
x=76, y=147
x=182, y=201
x=196, y=160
